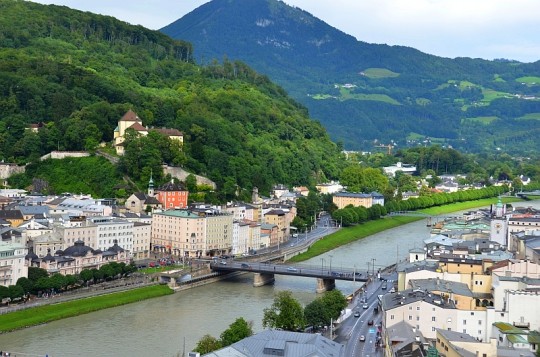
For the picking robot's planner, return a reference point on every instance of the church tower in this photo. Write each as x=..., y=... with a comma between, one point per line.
x=151, y=186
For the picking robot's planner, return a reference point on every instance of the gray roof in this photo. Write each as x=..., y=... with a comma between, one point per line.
x=437, y=284
x=353, y=194
x=405, y=297
x=282, y=343
x=34, y=210
x=402, y=335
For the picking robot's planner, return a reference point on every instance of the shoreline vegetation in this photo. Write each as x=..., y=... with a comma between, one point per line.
x=352, y=234
x=47, y=313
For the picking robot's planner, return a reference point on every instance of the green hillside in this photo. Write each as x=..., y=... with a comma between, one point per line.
x=397, y=90
x=78, y=73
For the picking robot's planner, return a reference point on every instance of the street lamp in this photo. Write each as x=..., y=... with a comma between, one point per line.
x=322, y=265
x=373, y=259
x=330, y=261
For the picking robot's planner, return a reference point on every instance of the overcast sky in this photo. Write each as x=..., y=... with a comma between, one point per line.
x=451, y=28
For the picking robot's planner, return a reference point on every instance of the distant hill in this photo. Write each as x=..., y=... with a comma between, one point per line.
x=76, y=73
x=364, y=92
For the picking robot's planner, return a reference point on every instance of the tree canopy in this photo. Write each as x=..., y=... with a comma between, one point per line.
x=285, y=313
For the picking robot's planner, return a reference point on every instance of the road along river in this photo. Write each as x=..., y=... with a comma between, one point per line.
x=159, y=327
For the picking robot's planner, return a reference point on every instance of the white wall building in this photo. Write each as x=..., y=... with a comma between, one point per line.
x=141, y=240
x=12, y=264
x=110, y=229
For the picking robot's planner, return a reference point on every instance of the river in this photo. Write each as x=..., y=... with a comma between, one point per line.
x=159, y=327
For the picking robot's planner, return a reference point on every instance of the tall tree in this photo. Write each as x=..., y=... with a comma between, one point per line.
x=207, y=344
x=285, y=313
x=237, y=331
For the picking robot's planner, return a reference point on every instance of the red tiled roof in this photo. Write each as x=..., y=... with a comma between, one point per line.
x=169, y=132
x=130, y=116
x=137, y=127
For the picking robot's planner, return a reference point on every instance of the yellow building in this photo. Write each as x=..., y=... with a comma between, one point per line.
x=343, y=199
x=456, y=344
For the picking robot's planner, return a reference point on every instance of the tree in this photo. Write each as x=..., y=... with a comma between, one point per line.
x=334, y=302
x=285, y=313
x=191, y=183
x=316, y=314
x=26, y=284
x=34, y=274
x=86, y=275
x=237, y=331
x=207, y=344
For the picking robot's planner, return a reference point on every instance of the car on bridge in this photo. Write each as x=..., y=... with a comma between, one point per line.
x=292, y=269
x=223, y=262
x=246, y=266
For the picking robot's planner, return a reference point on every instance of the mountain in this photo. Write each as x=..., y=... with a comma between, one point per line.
x=76, y=73
x=368, y=93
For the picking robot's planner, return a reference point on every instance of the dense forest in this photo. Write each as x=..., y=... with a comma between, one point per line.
x=76, y=73
x=370, y=93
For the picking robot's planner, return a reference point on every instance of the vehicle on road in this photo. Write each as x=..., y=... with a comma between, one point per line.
x=365, y=306
x=292, y=269
x=384, y=286
x=244, y=265
x=362, y=338
x=223, y=262
x=357, y=314
x=370, y=322
x=295, y=235
x=393, y=290
x=335, y=273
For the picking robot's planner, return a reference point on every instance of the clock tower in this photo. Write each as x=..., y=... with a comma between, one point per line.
x=499, y=226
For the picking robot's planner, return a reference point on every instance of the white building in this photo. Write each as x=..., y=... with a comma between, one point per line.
x=405, y=168
x=110, y=229
x=141, y=240
x=240, y=238
x=12, y=263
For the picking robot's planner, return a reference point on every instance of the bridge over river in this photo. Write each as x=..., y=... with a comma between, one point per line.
x=264, y=272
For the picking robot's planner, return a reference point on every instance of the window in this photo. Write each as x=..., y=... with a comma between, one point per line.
x=418, y=308
x=433, y=329
x=479, y=322
x=433, y=318
x=464, y=322
x=391, y=317
x=464, y=330
x=410, y=318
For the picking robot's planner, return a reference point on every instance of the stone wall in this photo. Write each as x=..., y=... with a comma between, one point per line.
x=6, y=170
x=181, y=174
x=64, y=154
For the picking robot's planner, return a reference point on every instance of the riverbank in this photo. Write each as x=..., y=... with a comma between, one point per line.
x=52, y=312
x=352, y=234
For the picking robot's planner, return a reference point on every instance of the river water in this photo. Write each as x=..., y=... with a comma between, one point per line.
x=163, y=326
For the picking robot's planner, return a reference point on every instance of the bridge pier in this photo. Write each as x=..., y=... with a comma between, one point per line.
x=325, y=285
x=260, y=279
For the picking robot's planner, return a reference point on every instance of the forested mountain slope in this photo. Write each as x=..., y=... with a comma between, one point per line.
x=78, y=73
x=364, y=92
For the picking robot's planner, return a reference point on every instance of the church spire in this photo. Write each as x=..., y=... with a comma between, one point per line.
x=151, y=185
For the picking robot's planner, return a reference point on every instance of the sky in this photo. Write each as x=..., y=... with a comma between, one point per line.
x=486, y=29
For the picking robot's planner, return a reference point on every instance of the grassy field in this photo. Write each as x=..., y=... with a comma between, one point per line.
x=47, y=313
x=483, y=120
x=352, y=234
x=375, y=73
x=530, y=116
x=530, y=80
